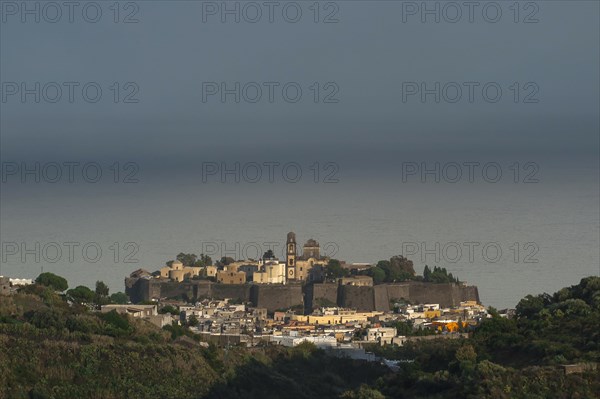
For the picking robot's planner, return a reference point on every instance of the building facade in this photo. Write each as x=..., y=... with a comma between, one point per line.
x=271, y=272
x=178, y=272
x=230, y=277
x=298, y=268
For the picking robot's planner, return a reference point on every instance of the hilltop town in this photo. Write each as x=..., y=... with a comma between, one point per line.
x=308, y=297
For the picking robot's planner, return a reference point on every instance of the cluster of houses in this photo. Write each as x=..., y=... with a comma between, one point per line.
x=225, y=323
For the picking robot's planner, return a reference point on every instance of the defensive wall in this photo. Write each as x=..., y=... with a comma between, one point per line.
x=276, y=297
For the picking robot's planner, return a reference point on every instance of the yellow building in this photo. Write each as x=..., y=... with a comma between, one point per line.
x=431, y=314
x=362, y=317
x=178, y=272
x=227, y=277
x=209, y=271
x=234, y=266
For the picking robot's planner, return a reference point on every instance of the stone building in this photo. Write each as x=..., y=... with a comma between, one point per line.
x=311, y=250
x=178, y=272
x=299, y=267
x=209, y=271
x=231, y=277
x=271, y=272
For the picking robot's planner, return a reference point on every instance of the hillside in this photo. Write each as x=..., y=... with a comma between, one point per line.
x=50, y=349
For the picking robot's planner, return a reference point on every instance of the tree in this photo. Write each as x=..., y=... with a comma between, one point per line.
x=334, y=269
x=118, y=321
x=404, y=328
x=101, y=288
x=426, y=273
x=101, y=294
x=187, y=259
x=530, y=306
x=439, y=275
x=402, y=264
x=81, y=294
x=398, y=268
x=168, y=309
x=119, y=297
x=193, y=321
x=193, y=260
x=225, y=260
x=467, y=359
x=466, y=353
x=268, y=254
x=204, y=260
x=53, y=281
x=378, y=274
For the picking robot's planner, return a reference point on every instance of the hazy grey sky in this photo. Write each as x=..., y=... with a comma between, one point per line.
x=369, y=54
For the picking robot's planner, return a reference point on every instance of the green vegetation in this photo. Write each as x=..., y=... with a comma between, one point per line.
x=325, y=303
x=81, y=294
x=51, y=348
x=438, y=275
x=224, y=261
x=169, y=309
x=53, y=281
x=84, y=296
x=398, y=268
x=194, y=260
x=334, y=270
x=407, y=329
x=510, y=358
x=119, y=298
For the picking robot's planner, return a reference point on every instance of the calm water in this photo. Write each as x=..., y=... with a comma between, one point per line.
x=554, y=224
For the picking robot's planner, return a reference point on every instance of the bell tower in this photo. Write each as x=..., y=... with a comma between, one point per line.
x=291, y=256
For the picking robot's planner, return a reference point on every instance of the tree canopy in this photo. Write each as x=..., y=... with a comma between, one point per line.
x=438, y=275
x=53, y=281
x=334, y=270
x=119, y=297
x=81, y=294
x=194, y=260
x=398, y=268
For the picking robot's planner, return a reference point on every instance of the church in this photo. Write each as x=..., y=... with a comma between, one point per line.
x=309, y=265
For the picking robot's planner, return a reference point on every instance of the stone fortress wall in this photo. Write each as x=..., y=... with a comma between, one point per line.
x=311, y=296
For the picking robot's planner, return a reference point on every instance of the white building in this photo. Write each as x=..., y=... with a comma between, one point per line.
x=271, y=272
x=139, y=311
x=20, y=281
x=384, y=335
x=294, y=339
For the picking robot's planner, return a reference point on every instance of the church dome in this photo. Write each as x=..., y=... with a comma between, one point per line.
x=311, y=243
x=291, y=236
